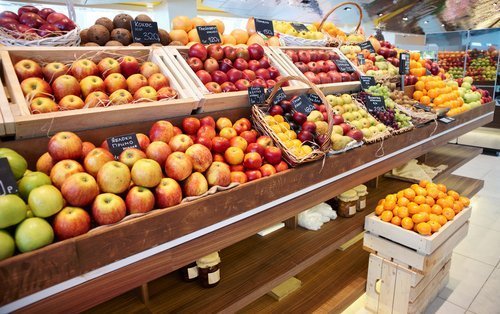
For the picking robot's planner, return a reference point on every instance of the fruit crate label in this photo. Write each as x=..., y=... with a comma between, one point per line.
x=145, y=32
x=299, y=27
x=446, y=120
x=367, y=81
x=265, y=27
x=303, y=104
x=8, y=184
x=344, y=65
x=423, y=107
x=404, y=63
x=208, y=34
x=314, y=99
x=117, y=144
x=375, y=103
x=280, y=95
x=361, y=59
x=256, y=95
x=367, y=45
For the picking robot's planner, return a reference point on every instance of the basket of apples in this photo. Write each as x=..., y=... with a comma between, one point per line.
x=298, y=127
x=32, y=26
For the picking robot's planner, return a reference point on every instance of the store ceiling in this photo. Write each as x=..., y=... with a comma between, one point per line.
x=412, y=16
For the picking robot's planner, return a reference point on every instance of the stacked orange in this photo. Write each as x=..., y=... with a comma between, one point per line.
x=433, y=91
x=423, y=208
x=417, y=68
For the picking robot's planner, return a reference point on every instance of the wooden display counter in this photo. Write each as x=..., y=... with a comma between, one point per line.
x=77, y=274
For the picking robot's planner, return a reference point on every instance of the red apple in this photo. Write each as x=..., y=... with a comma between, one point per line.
x=108, y=208
x=87, y=147
x=45, y=163
x=65, y=145
x=204, y=76
x=220, y=144
x=114, y=82
x=305, y=136
x=139, y=200
x=191, y=125
x=198, y=51
x=225, y=65
x=234, y=75
x=234, y=155
x=264, y=63
x=179, y=143
x=53, y=70
x=208, y=120
x=35, y=87
x=83, y=68
x=242, y=125
x=205, y=141
x=239, y=177
x=345, y=127
x=95, y=159
x=282, y=166
x=201, y=157
x=309, y=126
x=129, y=65
x=238, y=141
x=299, y=117
x=258, y=82
x=80, y=189
x=108, y=66
x=161, y=131
x=267, y=170
x=273, y=72
x=158, y=151
x=252, y=161
x=146, y=172
x=255, y=51
x=120, y=97
x=145, y=93
x=43, y=105
x=149, y=68
x=253, y=65
x=230, y=53
x=166, y=93
x=71, y=102
x=355, y=134
x=158, y=80
x=71, y=222
x=206, y=131
x=30, y=19
x=228, y=132
x=130, y=156
x=62, y=170
x=213, y=87
x=27, y=68
x=211, y=65
x=48, y=30
x=249, y=136
x=276, y=110
x=255, y=147
x=195, y=185
x=242, y=84
x=253, y=175
x=263, y=74
x=265, y=141
x=9, y=14
x=218, y=174
x=91, y=84
x=215, y=51
x=178, y=166
x=65, y=85
x=136, y=81
x=168, y=193
x=272, y=155
x=242, y=52
x=195, y=64
x=228, y=87
x=219, y=77
x=249, y=75
x=240, y=64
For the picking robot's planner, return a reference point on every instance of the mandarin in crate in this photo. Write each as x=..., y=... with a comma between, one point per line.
x=418, y=218
x=429, y=200
x=386, y=215
x=409, y=194
x=465, y=201
x=403, y=212
x=436, y=209
x=442, y=220
x=448, y=213
x=407, y=223
x=435, y=226
x=396, y=221
x=424, y=228
x=441, y=187
x=454, y=194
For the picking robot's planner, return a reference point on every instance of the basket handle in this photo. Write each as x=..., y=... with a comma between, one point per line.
x=71, y=10
x=338, y=6
x=317, y=91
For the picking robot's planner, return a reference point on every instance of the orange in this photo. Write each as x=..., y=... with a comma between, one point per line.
x=424, y=208
x=424, y=228
x=435, y=226
x=423, y=183
x=391, y=197
x=431, y=185
x=450, y=199
x=442, y=194
x=389, y=205
x=420, y=86
x=381, y=202
x=396, y=221
x=425, y=100
x=429, y=200
x=442, y=220
x=407, y=223
x=395, y=210
x=421, y=191
x=400, y=194
x=465, y=201
x=419, y=199
x=425, y=216
x=457, y=207
x=409, y=194
x=240, y=35
x=433, y=93
x=414, y=187
x=436, y=209
x=438, y=100
x=403, y=212
x=387, y=216
x=228, y=39
x=413, y=208
x=418, y=218
x=448, y=213
x=443, y=202
x=403, y=201
x=417, y=95
x=182, y=22
x=379, y=209
x=179, y=35
x=454, y=194
x=433, y=217
x=433, y=192
x=441, y=187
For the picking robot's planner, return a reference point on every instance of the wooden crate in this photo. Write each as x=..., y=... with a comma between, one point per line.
x=330, y=88
x=27, y=125
x=216, y=102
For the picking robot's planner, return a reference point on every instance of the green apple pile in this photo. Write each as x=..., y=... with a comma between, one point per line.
x=472, y=99
x=384, y=68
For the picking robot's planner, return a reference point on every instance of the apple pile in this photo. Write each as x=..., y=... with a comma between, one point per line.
x=57, y=86
x=31, y=23
x=232, y=69
x=318, y=66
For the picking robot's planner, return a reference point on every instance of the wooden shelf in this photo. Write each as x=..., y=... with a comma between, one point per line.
x=452, y=155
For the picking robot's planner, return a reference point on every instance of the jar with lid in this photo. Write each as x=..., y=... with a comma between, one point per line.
x=348, y=202
x=362, y=192
x=209, y=270
x=189, y=272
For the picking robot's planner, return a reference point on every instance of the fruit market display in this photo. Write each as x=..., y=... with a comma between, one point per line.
x=32, y=23
x=410, y=107
x=377, y=66
x=331, y=30
x=433, y=91
x=231, y=69
x=319, y=67
x=423, y=208
x=480, y=64
x=117, y=32
x=78, y=186
x=452, y=62
x=284, y=27
x=57, y=86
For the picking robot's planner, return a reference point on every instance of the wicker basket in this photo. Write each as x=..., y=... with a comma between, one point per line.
x=259, y=114
x=71, y=38
x=290, y=40
x=418, y=116
x=379, y=136
x=337, y=42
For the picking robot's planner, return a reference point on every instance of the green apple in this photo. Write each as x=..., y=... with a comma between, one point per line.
x=17, y=163
x=45, y=201
x=467, y=79
x=381, y=127
x=32, y=180
x=357, y=124
x=367, y=133
x=33, y=233
x=7, y=245
x=337, y=129
x=346, y=99
x=12, y=210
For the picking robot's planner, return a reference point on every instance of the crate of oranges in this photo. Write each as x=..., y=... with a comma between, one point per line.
x=433, y=91
x=421, y=217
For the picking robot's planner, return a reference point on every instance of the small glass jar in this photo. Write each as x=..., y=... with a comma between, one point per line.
x=348, y=203
x=209, y=270
x=189, y=272
x=362, y=192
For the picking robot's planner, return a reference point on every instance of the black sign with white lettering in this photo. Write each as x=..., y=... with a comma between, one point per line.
x=314, y=99
x=265, y=27
x=8, y=184
x=303, y=104
x=117, y=144
x=446, y=120
x=299, y=27
x=280, y=95
x=344, y=65
x=367, y=45
x=404, y=63
x=256, y=95
x=361, y=59
x=145, y=32
x=423, y=107
x=208, y=34
x=375, y=103
x=367, y=81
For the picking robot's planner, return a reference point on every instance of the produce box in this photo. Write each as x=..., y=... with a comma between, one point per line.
x=211, y=102
x=23, y=123
x=327, y=88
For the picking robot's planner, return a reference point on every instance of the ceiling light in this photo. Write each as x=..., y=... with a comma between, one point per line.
x=442, y=25
x=426, y=22
x=380, y=14
x=405, y=18
x=347, y=9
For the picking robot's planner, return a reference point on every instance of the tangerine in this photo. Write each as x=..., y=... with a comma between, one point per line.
x=403, y=212
x=443, y=202
x=442, y=194
x=454, y=194
x=379, y=209
x=419, y=199
x=386, y=216
x=403, y=201
x=425, y=216
x=424, y=228
x=433, y=217
x=425, y=100
x=381, y=202
x=407, y=223
x=448, y=213
x=423, y=183
x=425, y=208
x=389, y=205
x=435, y=226
x=429, y=200
x=465, y=201
x=457, y=207
x=433, y=192
x=413, y=208
x=442, y=220
x=409, y=194
x=396, y=221
x=421, y=191
x=418, y=218
x=436, y=209
x=441, y=187
x=400, y=194
x=420, y=86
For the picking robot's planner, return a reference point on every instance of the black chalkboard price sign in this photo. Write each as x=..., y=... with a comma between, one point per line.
x=375, y=103
x=367, y=45
x=299, y=27
x=265, y=27
x=208, y=34
x=8, y=184
x=117, y=144
x=344, y=65
x=256, y=95
x=315, y=99
x=404, y=63
x=367, y=81
x=145, y=32
x=303, y=104
x=361, y=59
x=280, y=95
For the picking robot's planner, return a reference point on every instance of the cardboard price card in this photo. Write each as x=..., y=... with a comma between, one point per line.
x=367, y=45
x=8, y=184
x=375, y=103
x=145, y=32
x=280, y=95
x=265, y=27
x=208, y=34
x=256, y=95
x=299, y=27
x=344, y=65
x=367, y=81
x=117, y=144
x=303, y=104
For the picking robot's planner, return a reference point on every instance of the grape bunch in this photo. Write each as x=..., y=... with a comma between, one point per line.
x=387, y=117
x=384, y=91
x=402, y=119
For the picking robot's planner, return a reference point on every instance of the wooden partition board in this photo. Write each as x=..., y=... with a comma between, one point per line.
x=36, y=125
x=223, y=101
x=292, y=192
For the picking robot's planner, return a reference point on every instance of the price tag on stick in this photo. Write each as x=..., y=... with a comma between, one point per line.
x=265, y=27
x=367, y=81
x=117, y=144
x=256, y=95
x=361, y=59
x=375, y=103
x=404, y=64
x=8, y=184
x=303, y=104
x=208, y=34
x=299, y=27
x=344, y=65
x=145, y=32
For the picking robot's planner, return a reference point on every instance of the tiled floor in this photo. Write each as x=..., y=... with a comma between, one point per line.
x=475, y=271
